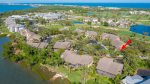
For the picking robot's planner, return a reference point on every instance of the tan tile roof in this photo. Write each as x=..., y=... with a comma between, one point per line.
x=33, y=44
x=63, y=45
x=91, y=34
x=43, y=45
x=74, y=58
x=35, y=36
x=115, y=40
x=29, y=35
x=79, y=31
x=107, y=65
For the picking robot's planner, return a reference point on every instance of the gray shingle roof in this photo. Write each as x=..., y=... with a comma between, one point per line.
x=143, y=72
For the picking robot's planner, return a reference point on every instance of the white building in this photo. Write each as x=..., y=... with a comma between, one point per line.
x=50, y=16
x=93, y=20
x=12, y=25
x=132, y=79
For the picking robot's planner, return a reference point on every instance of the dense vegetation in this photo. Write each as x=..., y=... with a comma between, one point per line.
x=18, y=51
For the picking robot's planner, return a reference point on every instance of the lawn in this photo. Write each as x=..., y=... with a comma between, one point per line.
x=52, y=26
x=73, y=76
x=138, y=36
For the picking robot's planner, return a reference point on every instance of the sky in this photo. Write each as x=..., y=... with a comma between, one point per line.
x=73, y=1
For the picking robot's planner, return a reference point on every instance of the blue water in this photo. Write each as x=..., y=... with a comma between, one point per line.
x=141, y=29
x=6, y=8
x=11, y=73
x=119, y=5
x=77, y=22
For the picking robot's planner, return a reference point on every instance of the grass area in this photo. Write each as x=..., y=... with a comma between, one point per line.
x=3, y=35
x=76, y=76
x=73, y=76
x=81, y=25
x=137, y=36
x=52, y=26
x=90, y=74
x=43, y=72
x=127, y=33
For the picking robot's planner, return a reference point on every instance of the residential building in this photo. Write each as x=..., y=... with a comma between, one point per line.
x=143, y=72
x=20, y=17
x=95, y=20
x=136, y=79
x=107, y=67
x=120, y=23
x=62, y=45
x=50, y=16
x=115, y=40
x=43, y=45
x=33, y=39
x=146, y=81
x=91, y=34
x=135, y=12
x=79, y=31
x=12, y=25
x=92, y=20
x=31, y=36
x=76, y=60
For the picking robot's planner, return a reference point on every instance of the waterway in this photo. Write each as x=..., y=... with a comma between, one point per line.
x=141, y=29
x=12, y=73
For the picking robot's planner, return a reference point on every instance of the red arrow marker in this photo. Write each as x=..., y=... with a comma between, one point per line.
x=128, y=42
x=125, y=45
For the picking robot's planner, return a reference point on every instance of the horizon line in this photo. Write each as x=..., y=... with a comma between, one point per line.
x=68, y=2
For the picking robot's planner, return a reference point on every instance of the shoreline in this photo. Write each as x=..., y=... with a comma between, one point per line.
x=3, y=35
x=44, y=72
x=50, y=66
x=7, y=65
x=101, y=5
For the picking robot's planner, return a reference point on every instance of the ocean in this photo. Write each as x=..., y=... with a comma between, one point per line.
x=6, y=7
x=118, y=5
